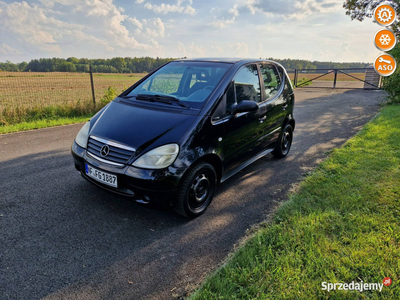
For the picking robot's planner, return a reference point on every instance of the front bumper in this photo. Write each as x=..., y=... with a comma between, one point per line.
x=145, y=186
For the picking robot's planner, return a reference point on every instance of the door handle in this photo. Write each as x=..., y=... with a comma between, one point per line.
x=284, y=106
x=262, y=119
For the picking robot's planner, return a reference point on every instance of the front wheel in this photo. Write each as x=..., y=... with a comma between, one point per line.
x=284, y=142
x=196, y=190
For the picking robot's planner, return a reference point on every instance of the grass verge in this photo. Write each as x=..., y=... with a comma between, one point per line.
x=342, y=226
x=20, y=118
x=23, y=126
x=302, y=82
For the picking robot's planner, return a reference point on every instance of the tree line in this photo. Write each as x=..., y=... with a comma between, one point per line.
x=140, y=65
x=73, y=64
x=291, y=64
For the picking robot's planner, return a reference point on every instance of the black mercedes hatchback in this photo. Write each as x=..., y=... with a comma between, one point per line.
x=174, y=135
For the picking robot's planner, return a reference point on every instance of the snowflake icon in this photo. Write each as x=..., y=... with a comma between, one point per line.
x=384, y=15
x=385, y=39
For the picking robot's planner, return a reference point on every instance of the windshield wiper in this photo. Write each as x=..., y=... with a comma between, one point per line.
x=162, y=99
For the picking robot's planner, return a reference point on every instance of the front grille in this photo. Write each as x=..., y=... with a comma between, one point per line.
x=118, y=154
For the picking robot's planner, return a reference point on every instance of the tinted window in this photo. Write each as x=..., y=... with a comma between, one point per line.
x=247, y=84
x=190, y=82
x=225, y=105
x=271, y=78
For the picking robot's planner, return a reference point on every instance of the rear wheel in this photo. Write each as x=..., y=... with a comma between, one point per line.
x=196, y=190
x=284, y=142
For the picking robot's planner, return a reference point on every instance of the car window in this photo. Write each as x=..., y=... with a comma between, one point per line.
x=189, y=82
x=247, y=84
x=272, y=80
x=225, y=105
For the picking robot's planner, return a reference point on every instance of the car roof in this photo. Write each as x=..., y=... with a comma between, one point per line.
x=230, y=60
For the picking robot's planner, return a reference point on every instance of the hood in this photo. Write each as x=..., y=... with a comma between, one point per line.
x=140, y=127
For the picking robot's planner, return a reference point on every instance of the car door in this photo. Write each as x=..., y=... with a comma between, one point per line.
x=242, y=132
x=274, y=100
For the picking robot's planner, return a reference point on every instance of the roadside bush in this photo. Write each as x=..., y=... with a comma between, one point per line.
x=17, y=113
x=109, y=95
x=391, y=84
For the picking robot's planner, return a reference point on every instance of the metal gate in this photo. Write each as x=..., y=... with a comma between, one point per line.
x=334, y=78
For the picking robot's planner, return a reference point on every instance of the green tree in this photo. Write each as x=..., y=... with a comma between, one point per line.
x=67, y=67
x=119, y=63
x=392, y=82
x=22, y=66
x=8, y=66
x=361, y=9
x=73, y=60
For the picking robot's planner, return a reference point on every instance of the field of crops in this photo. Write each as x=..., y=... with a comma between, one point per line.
x=32, y=96
x=43, y=89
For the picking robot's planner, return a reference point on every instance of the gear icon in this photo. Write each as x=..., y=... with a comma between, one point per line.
x=384, y=15
x=385, y=39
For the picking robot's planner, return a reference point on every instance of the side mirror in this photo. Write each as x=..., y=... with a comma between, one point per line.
x=245, y=106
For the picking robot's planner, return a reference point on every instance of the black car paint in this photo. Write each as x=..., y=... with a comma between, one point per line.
x=225, y=143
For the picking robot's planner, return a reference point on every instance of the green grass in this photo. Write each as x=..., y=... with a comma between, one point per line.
x=301, y=81
x=342, y=226
x=53, y=115
x=23, y=126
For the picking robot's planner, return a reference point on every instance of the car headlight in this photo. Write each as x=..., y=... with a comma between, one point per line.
x=82, y=136
x=158, y=158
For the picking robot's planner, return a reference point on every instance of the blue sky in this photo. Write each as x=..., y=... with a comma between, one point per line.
x=302, y=29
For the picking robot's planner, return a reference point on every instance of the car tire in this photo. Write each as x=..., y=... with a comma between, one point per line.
x=196, y=190
x=284, y=142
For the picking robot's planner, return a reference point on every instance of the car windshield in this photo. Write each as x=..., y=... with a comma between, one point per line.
x=187, y=83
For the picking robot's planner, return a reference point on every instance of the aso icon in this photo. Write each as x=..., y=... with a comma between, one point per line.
x=385, y=64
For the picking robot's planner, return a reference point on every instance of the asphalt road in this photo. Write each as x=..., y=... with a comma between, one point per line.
x=63, y=238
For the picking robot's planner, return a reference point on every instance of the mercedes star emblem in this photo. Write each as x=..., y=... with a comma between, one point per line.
x=104, y=150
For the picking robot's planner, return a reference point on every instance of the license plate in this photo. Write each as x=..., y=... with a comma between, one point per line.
x=101, y=176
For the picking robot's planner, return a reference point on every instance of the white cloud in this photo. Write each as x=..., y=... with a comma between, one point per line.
x=234, y=10
x=191, y=50
x=135, y=22
x=260, y=50
x=102, y=28
x=50, y=3
x=250, y=5
x=98, y=22
x=225, y=22
x=79, y=36
x=158, y=29
x=8, y=50
x=240, y=49
x=292, y=9
x=30, y=24
x=168, y=8
x=214, y=9
x=189, y=10
x=218, y=49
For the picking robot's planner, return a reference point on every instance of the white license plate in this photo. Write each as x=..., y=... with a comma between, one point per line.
x=101, y=176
